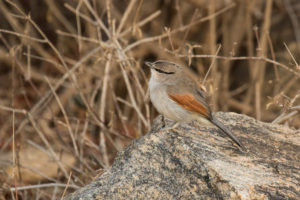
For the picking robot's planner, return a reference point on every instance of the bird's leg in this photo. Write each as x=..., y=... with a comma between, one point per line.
x=163, y=122
x=194, y=123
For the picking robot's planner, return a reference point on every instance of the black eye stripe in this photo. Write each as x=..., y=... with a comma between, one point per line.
x=161, y=71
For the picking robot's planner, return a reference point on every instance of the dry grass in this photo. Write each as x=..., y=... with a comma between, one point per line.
x=73, y=86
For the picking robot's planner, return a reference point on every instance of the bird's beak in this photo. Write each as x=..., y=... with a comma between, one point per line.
x=149, y=64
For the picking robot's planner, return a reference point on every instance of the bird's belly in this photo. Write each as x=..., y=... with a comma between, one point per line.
x=169, y=108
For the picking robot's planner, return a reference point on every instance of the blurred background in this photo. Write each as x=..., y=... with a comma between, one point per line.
x=74, y=87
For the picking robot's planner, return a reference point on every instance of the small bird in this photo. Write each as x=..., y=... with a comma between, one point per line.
x=177, y=96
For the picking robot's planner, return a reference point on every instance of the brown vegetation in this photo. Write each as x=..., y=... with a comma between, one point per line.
x=73, y=85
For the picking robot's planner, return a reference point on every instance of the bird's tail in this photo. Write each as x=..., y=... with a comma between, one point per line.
x=227, y=132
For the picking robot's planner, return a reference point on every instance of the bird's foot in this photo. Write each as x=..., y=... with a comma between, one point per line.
x=172, y=127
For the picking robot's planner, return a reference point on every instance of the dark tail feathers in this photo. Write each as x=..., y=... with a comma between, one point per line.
x=227, y=132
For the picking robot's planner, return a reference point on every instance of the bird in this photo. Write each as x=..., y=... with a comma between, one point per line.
x=176, y=95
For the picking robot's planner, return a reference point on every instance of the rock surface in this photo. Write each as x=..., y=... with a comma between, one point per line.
x=196, y=162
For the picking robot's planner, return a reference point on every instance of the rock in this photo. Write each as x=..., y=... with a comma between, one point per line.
x=196, y=162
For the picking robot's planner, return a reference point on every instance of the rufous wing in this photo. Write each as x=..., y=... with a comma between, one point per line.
x=189, y=102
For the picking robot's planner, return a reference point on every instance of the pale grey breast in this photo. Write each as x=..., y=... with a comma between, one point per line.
x=166, y=106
